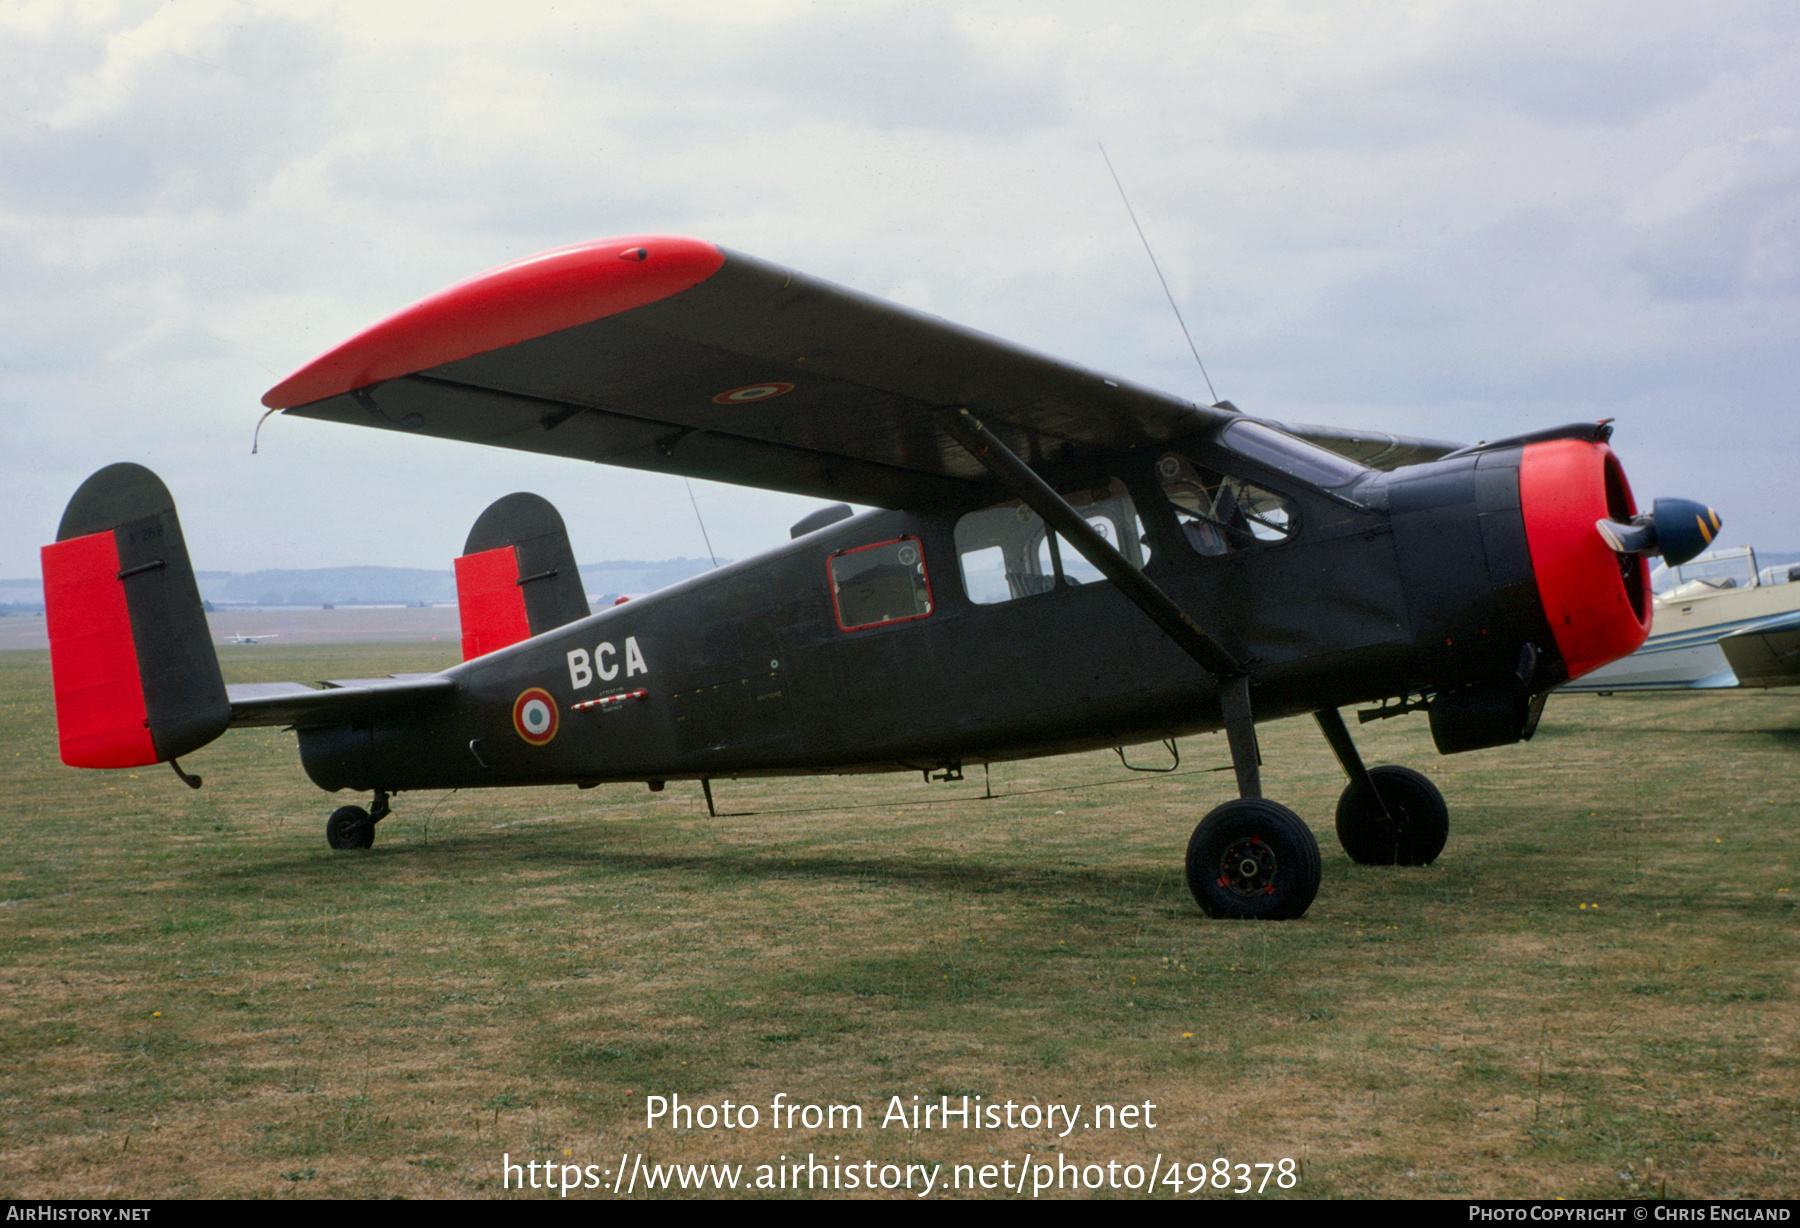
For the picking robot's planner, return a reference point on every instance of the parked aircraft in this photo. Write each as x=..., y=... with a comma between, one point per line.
x=1719, y=621
x=1062, y=560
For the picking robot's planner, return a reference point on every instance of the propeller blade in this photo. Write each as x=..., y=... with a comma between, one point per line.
x=1633, y=538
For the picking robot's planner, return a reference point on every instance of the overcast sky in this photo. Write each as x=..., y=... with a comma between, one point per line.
x=1454, y=220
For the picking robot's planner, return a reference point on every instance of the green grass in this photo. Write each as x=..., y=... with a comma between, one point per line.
x=1592, y=993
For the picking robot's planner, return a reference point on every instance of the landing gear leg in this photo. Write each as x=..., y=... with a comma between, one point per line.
x=1252, y=858
x=1248, y=858
x=1387, y=816
x=352, y=827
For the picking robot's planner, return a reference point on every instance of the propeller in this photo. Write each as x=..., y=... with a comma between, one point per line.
x=1676, y=529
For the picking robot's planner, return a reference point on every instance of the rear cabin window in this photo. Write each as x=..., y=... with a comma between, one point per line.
x=1221, y=514
x=1007, y=552
x=883, y=583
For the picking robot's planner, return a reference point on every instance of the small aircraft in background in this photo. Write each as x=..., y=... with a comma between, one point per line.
x=1062, y=561
x=249, y=639
x=1719, y=622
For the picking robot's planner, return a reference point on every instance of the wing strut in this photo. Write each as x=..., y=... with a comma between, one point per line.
x=1231, y=675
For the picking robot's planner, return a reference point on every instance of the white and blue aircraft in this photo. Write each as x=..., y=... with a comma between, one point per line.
x=1719, y=621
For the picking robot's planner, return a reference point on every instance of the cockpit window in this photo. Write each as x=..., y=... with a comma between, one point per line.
x=1219, y=513
x=1279, y=450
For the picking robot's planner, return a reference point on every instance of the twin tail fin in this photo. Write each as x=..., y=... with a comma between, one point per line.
x=137, y=680
x=517, y=576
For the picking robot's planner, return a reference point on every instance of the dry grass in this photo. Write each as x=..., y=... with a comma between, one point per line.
x=1592, y=993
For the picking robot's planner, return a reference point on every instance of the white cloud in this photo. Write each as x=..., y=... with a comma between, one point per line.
x=1454, y=219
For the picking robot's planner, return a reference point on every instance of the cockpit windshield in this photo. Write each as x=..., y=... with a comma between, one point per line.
x=1291, y=455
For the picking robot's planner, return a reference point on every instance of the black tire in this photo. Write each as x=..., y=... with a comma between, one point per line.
x=1253, y=859
x=1411, y=832
x=350, y=827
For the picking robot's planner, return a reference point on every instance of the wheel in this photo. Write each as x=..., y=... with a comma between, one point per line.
x=1254, y=859
x=349, y=827
x=1411, y=832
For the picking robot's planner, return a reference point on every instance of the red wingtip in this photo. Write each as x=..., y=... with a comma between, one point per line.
x=528, y=298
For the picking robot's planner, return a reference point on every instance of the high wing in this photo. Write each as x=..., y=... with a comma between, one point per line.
x=670, y=354
x=1376, y=449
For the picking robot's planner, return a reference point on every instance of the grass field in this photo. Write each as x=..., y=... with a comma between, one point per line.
x=1592, y=993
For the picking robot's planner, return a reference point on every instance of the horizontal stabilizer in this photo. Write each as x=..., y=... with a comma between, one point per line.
x=517, y=575
x=131, y=657
x=295, y=703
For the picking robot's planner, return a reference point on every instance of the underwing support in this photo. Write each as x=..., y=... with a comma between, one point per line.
x=1037, y=494
x=1230, y=674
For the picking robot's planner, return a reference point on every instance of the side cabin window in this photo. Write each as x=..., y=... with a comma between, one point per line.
x=1008, y=552
x=1221, y=514
x=883, y=583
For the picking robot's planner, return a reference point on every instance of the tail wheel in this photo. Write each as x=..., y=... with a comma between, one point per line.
x=1407, y=826
x=1253, y=859
x=350, y=827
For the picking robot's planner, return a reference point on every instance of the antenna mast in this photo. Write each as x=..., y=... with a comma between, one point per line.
x=1159, y=276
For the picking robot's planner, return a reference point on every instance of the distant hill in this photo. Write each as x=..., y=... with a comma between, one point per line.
x=336, y=585
x=375, y=585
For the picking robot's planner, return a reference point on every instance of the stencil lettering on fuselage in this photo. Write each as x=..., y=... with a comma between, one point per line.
x=606, y=662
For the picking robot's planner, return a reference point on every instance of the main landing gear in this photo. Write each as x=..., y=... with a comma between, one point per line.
x=1387, y=816
x=1402, y=821
x=1252, y=858
x=1255, y=859
x=352, y=827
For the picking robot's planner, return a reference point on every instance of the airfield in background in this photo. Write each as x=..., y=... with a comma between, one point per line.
x=367, y=605
x=344, y=625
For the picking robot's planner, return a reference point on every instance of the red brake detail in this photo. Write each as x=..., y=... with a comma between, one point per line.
x=101, y=718
x=1597, y=601
x=528, y=298
x=490, y=601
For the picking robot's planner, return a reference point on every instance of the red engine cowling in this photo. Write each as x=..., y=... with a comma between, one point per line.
x=1596, y=601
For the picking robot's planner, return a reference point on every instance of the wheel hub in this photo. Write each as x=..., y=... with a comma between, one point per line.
x=1248, y=868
